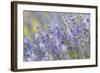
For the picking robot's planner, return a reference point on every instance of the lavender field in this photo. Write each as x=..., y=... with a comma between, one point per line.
x=50, y=36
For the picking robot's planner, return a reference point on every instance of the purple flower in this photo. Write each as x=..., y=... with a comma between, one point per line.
x=75, y=30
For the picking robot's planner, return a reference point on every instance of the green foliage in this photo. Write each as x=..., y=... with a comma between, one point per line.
x=72, y=54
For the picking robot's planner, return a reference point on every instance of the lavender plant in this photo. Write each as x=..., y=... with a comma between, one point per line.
x=56, y=36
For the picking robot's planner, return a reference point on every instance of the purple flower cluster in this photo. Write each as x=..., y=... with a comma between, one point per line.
x=67, y=37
